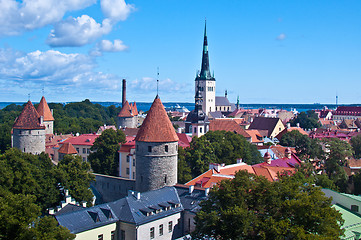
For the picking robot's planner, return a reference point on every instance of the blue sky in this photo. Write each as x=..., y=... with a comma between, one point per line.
x=263, y=51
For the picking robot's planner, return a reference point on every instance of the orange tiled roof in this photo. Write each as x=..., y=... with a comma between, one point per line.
x=44, y=110
x=354, y=163
x=290, y=129
x=67, y=148
x=28, y=119
x=255, y=135
x=227, y=125
x=212, y=177
x=157, y=126
x=126, y=110
x=134, y=109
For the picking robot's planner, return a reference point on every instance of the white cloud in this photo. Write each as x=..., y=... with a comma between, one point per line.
x=281, y=37
x=116, y=10
x=150, y=84
x=108, y=46
x=17, y=17
x=66, y=75
x=77, y=31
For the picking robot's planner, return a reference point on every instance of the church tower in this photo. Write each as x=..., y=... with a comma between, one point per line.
x=44, y=111
x=197, y=121
x=29, y=131
x=205, y=80
x=156, y=149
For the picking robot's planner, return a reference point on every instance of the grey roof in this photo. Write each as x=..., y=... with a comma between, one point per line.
x=190, y=201
x=68, y=208
x=87, y=218
x=264, y=123
x=128, y=209
x=222, y=101
x=217, y=114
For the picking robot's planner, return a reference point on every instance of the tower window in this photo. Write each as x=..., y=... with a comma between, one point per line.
x=165, y=179
x=166, y=148
x=195, y=130
x=149, y=148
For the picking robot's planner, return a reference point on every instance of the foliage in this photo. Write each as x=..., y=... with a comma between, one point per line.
x=29, y=184
x=218, y=147
x=47, y=228
x=335, y=159
x=356, y=146
x=251, y=207
x=105, y=158
x=7, y=118
x=307, y=120
x=184, y=170
x=306, y=147
x=74, y=174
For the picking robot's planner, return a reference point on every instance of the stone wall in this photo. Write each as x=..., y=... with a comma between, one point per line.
x=29, y=141
x=49, y=126
x=156, y=165
x=112, y=188
x=127, y=122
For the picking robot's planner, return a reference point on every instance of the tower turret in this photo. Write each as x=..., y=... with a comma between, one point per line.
x=156, y=150
x=44, y=111
x=29, y=131
x=205, y=80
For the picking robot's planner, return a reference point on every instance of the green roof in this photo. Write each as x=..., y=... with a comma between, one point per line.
x=352, y=224
x=355, y=197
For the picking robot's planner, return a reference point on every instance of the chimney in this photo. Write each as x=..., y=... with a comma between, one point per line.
x=51, y=211
x=66, y=192
x=298, y=125
x=41, y=120
x=191, y=188
x=206, y=192
x=83, y=203
x=288, y=125
x=124, y=97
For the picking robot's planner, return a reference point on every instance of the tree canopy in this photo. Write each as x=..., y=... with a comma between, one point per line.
x=215, y=147
x=307, y=120
x=30, y=184
x=105, y=157
x=356, y=146
x=251, y=207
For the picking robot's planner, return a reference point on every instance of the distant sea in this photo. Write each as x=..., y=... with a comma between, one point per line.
x=190, y=106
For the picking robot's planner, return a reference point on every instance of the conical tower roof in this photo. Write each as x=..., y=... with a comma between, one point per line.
x=205, y=73
x=134, y=109
x=126, y=110
x=44, y=110
x=157, y=126
x=67, y=148
x=29, y=118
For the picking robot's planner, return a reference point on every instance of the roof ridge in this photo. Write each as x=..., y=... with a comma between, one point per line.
x=29, y=118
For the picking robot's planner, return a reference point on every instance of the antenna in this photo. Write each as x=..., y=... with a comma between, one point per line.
x=42, y=90
x=336, y=99
x=157, y=79
x=29, y=96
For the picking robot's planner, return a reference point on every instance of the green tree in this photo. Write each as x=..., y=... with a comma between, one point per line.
x=251, y=207
x=105, y=157
x=307, y=120
x=74, y=174
x=306, y=147
x=47, y=228
x=356, y=146
x=184, y=170
x=219, y=147
x=335, y=159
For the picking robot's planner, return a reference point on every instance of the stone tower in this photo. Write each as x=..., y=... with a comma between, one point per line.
x=128, y=116
x=29, y=131
x=197, y=121
x=44, y=111
x=205, y=81
x=156, y=147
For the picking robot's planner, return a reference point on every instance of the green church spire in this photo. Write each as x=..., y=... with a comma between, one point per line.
x=205, y=71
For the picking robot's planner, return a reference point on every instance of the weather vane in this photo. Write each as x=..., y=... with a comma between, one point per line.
x=157, y=80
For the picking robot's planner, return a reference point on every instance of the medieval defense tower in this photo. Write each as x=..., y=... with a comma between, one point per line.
x=205, y=81
x=29, y=131
x=128, y=115
x=156, y=150
x=45, y=112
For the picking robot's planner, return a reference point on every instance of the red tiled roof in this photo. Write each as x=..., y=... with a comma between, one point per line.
x=28, y=119
x=130, y=131
x=184, y=140
x=126, y=110
x=345, y=110
x=157, y=126
x=227, y=125
x=84, y=139
x=44, y=110
x=67, y=148
x=129, y=143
